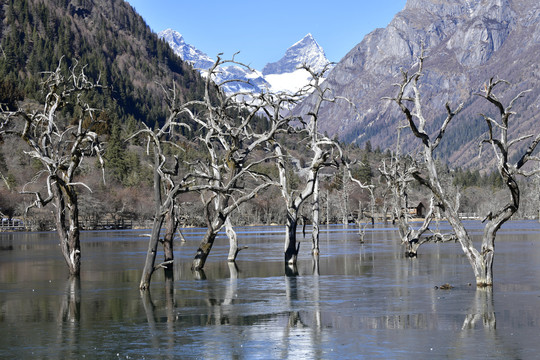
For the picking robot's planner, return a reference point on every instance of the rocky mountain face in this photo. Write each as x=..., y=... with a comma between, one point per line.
x=466, y=42
x=282, y=75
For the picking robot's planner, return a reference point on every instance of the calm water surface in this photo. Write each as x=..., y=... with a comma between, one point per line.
x=360, y=300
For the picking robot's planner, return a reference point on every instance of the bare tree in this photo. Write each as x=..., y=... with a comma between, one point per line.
x=226, y=177
x=321, y=148
x=398, y=175
x=59, y=146
x=165, y=184
x=347, y=187
x=294, y=198
x=315, y=218
x=497, y=136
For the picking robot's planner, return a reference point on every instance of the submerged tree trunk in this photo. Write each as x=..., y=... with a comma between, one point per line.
x=171, y=224
x=204, y=250
x=68, y=229
x=291, y=247
x=494, y=223
x=316, y=211
x=206, y=245
x=149, y=264
x=233, y=241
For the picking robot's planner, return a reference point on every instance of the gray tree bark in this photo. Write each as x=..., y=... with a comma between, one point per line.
x=60, y=147
x=481, y=261
x=315, y=211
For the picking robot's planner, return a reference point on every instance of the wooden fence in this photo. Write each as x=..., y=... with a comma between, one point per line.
x=107, y=224
x=16, y=224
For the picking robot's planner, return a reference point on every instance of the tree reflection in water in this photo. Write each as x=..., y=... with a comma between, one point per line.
x=482, y=308
x=171, y=305
x=70, y=309
x=149, y=309
x=481, y=313
x=69, y=316
x=153, y=320
x=348, y=304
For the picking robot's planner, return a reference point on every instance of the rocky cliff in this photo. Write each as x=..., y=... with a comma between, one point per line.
x=467, y=42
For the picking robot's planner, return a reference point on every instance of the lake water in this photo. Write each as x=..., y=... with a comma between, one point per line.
x=361, y=300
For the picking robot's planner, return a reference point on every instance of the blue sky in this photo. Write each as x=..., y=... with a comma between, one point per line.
x=263, y=30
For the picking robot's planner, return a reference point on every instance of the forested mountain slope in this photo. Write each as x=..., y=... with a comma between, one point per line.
x=108, y=37
x=115, y=45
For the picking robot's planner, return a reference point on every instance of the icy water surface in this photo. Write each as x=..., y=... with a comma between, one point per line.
x=361, y=300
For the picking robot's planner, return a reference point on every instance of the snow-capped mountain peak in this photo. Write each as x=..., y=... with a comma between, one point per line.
x=306, y=51
x=282, y=75
x=187, y=52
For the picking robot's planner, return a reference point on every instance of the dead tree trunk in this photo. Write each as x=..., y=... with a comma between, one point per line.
x=67, y=225
x=315, y=220
x=204, y=249
x=293, y=203
x=149, y=264
x=171, y=225
x=233, y=241
x=481, y=261
x=234, y=249
x=215, y=219
x=60, y=147
x=166, y=185
x=291, y=246
x=159, y=217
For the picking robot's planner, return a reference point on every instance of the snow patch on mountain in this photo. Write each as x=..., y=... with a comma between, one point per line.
x=288, y=82
x=283, y=75
x=255, y=78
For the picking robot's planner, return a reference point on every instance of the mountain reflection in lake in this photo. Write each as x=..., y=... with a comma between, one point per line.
x=361, y=300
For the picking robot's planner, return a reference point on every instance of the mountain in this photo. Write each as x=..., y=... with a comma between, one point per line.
x=282, y=75
x=202, y=62
x=304, y=51
x=187, y=52
x=106, y=36
x=466, y=42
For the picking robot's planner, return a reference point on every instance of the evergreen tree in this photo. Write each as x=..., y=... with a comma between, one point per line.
x=9, y=94
x=364, y=173
x=115, y=154
x=368, y=147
